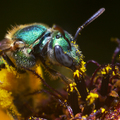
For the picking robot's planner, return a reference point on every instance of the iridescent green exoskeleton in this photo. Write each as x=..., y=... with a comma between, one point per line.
x=24, y=45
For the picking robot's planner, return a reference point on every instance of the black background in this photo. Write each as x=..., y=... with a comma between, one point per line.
x=69, y=14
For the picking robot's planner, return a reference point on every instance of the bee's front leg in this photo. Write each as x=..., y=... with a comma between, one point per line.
x=56, y=73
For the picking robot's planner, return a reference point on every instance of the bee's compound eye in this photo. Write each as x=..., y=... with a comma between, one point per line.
x=58, y=36
x=19, y=44
x=61, y=57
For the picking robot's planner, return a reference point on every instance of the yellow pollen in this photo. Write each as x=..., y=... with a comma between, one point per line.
x=106, y=69
x=102, y=110
x=83, y=117
x=72, y=86
x=77, y=72
x=113, y=73
x=83, y=68
x=94, y=111
x=91, y=97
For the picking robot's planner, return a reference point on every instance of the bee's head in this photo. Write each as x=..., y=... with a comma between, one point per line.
x=62, y=48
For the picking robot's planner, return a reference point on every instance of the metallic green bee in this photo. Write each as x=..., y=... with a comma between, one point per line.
x=24, y=45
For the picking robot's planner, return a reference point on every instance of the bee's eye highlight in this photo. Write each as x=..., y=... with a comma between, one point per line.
x=58, y=36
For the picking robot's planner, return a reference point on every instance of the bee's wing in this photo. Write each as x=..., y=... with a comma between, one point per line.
x=5, y=44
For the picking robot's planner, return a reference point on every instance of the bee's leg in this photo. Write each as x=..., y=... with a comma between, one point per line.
x=2, y=64
x=7, y=59
x=56, y=73
x=10, y=63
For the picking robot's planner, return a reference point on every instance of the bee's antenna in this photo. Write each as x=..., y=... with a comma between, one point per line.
x=92, y=18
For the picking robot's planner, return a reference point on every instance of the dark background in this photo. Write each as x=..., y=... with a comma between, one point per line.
x=69, y=14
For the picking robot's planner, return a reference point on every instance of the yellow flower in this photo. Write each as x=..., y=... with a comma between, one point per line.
x=14, y=84
x=5, y=116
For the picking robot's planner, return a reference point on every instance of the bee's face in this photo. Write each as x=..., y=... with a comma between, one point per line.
x=64, y=51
